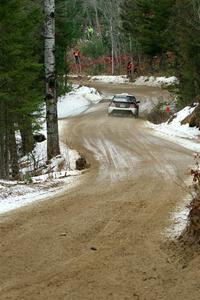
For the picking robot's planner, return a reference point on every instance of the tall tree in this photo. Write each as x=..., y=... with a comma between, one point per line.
x=20, y=71
x=147, y=21
x=50, y=75
x=187, y=45
x=68, y=23
x=106, y=17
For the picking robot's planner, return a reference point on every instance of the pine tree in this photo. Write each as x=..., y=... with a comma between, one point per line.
x=68, y=25
x=147, y=22
x=187, y=46
x=20, y=76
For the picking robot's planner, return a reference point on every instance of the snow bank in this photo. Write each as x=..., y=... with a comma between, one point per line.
x=142, y=80
x=110, y=79
x=155, y=81
x=20, y=195
x=60, y=171
x=181, y=134
x=179, y=220
x=77, y=101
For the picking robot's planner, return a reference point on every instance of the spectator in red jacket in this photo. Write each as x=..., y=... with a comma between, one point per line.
x=129, y=68
x=77, y=56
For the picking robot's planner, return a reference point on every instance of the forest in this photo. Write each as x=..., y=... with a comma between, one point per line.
x=163, y=37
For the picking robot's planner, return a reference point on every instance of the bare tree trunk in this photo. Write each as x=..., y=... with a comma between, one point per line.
x=3, y=153
x=50, y=74
x=13, y=151
x=26, y=132
x=97, y=19
x=112, y=46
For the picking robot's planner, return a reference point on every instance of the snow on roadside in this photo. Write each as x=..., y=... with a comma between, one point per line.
x=156, y=81
x=20, y=195
x=189, y=138
x=179, y=217
x=110, y=78
x=178, y=220
x=142, y=80
x=60, y=173
x=184, y=135
x=77, y=101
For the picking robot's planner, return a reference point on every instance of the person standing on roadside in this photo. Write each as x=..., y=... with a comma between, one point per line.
x=135, y=69
x=77, y=56
x=77, y=60
x=129, y=69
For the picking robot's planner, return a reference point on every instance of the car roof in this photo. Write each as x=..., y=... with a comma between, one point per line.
x=122, y=95
x=125, y=97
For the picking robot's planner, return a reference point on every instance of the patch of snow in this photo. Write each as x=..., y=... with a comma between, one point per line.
x=179, y=222
x=142, y=80
x=110, y=79
x=80, y=99
x=155, y=81
x=115, y=160
x=179, y=217
x=61, y=171
x=184, y=135
x=22, y=195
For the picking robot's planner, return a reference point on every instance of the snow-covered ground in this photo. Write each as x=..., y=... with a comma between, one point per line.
x=188, y=137
x=110, y=78
x=142, y=80
x=178, y=219
x=61, y=172
x=156, y=81
x=77, y=101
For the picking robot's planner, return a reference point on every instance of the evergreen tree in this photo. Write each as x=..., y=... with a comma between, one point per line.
x=20, y=71
x=147, y=21
x=68, y=25
x=187, y=46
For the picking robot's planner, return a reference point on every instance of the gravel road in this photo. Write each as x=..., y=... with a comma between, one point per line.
x=103, y=239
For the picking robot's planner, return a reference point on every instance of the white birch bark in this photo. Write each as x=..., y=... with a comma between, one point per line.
x=50, y=76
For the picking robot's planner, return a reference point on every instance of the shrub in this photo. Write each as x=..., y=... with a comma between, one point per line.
x=158, y=114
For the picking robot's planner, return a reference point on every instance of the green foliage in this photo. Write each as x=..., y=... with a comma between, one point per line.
x=21, y=72
x=98, y=69
x=168, y=25
x=147, y=22
x=187, y=47
x=93, y=48
x=69, y=18
x=20, y=56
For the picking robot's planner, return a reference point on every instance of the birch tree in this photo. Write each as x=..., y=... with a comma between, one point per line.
x=50, y=75
x=110, y=13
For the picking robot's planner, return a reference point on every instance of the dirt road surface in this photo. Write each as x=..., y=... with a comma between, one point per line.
x=104, y=239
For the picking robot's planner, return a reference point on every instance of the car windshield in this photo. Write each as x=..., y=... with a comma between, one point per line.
x=124, y=98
